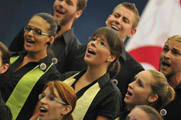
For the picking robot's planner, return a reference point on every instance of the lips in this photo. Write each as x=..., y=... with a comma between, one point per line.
x=128, y=94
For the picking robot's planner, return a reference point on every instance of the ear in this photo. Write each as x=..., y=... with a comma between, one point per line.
x=107, y=19
x=52, y=38
x=67, y=109
x=152, y=98
x=4, y=68
x=111, y=58
x=78, y=14
x=132, y=32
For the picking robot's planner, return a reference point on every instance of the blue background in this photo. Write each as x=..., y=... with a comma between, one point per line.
x=15, y=15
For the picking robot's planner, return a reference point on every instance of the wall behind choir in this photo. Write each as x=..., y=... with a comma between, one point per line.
x=15, y=15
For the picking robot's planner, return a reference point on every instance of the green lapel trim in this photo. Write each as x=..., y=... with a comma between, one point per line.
x=23, y=88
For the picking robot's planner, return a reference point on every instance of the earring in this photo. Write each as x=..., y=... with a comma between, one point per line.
x=107, y=60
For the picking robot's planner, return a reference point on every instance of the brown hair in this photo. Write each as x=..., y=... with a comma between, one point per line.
x=81, y=5
x=52, y=29
x=66, y=92
x=131, y=7
x=5, y=54
x=116, y=45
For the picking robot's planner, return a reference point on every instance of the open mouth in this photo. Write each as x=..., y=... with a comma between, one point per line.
x=59, y=11
x=91, y=51
x=30, y=41
x=43, y=110
x=115, y=28
x=129, y=93
x=165, y=64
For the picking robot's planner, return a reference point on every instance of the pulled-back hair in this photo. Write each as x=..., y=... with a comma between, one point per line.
x=131, y=7
x=5, y=54
x=51, y=21
x=66, y=93
x=116, y=45
x=161, y=87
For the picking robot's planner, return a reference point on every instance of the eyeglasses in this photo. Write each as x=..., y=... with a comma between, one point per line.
x=100, y=42
x=51, y=98
x=35, y=31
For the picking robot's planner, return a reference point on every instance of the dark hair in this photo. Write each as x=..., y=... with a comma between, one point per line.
x=81, y=5
x=66, y=93
x=52, y=29
x=52, y=22
x=5, y=54
x=116, y=44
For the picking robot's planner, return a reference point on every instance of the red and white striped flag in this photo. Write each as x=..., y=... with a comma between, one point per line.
x=160, y=20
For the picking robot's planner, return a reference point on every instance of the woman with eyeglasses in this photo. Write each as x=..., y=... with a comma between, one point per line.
x=98, y=97
x=57, y=101
x=31, y=69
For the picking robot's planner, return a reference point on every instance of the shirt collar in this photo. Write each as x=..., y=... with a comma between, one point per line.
x=101, y=80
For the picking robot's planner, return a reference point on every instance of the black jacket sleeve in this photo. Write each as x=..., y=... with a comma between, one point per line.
x=5, y=113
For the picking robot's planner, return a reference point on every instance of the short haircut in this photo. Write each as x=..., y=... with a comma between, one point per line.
x=81, y=5
x=131, y=7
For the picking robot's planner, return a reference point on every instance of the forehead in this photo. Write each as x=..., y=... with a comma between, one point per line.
x=144, y=74
x=38, y=22
x=173, y=44
x=138, y=114
x=145, y=77
x=124, y=12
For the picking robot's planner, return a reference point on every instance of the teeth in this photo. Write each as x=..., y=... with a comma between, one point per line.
x=164, y=63
x=91, y=51
x=115, y=28
x=59, y=11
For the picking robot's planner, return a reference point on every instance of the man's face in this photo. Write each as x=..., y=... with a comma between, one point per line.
x=122, y=20
x=65, y=11
x=170, y=58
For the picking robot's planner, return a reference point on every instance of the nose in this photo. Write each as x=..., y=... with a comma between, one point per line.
x=31, y=32
x=131, y=85
x=93, y=43
x=43, y=100
x=167, y=55
x=118, y=21
x=61, y=3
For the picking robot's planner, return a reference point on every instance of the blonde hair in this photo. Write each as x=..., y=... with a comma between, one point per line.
x=161, y=87
x=175, y=38
x=152, y=113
